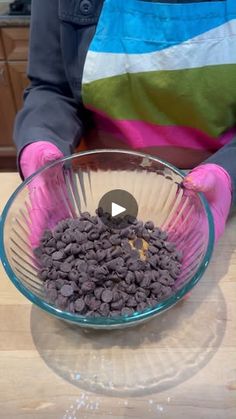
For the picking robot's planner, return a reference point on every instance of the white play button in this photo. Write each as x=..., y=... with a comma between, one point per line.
x=116, y=209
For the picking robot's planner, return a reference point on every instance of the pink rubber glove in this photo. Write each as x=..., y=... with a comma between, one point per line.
x=48, y=199
x=216, y=184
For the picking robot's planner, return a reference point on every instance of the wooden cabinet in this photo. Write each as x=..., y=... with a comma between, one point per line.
x=7, y=112
x=16, y=41
x=13, y=80
x=2, y=55
x=19, y=80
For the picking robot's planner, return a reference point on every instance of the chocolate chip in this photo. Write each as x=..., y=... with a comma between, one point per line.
x=112, y=265
x=100, y=255
x=156, y=288
x=67, y=249
x=149, y=225
x=88, y=227
x=133, y=265
x=46, y=261
x=66, y=290
x=131, y=288
x=130, y=276
x=93, y=235
x=52, y=295
x=146, y=281
x=169, y=246
x=81, y=266
x=52, y=242
x=48, y=285
x=104, y=309
x=153, y=249
x=53, y=274
x=98, y=292
x=70, y=259
x=75, y=249
x=155, y=275
x=85, y=215
x=101, y=272
x=141, y=306
x=59, y=283
x=63, y=275
x=138, y=276
x=80, y=237
x=83, y=277
x=106, y=244
x=60, y=245
x=74, y=285
x=58, y=255
x=73, y=275
x=140, y=296
x=61, y=301
x=108, y=283
x=158, y=243
x=94, y=304
x=154, y=260
x=62, y=225
x=151, y=302
x=79, y=305
x=88, y=298
x=106, y=296
x=66, y=238
x=49, y=250
x=127, y=311
x=115, y=239
x=124, y=296
x=125, y=232
x=44, y=274
x=131, y=302
x=116, y=252
x=167, y=291
x=131, y=235
x=87, y=246
x=175, y=272
x=57, y=235
x=87, y=286
x=65, y=267
x=90, y=254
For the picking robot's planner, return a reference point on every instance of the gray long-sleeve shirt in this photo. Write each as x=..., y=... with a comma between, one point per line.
x=53, y=110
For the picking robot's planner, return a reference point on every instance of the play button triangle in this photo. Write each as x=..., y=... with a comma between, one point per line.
x=116, y=209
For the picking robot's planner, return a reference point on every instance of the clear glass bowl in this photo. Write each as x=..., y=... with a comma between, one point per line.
x=87, y=176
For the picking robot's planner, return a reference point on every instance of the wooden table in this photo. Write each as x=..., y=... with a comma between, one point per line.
x=180, y=365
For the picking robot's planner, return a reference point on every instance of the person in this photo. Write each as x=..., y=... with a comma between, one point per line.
x=155, y=76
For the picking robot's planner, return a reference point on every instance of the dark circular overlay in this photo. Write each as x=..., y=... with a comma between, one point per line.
x=117, y=208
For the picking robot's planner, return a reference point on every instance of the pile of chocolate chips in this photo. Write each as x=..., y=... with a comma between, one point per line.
x=92, y=269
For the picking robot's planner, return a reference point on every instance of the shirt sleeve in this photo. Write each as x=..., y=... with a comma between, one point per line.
x=50, y=112
x=226, y=158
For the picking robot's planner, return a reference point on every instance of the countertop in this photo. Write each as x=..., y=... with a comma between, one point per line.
x=6, y=20
x=180, y=365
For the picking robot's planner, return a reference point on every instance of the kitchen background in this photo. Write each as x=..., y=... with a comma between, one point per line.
x=14, y=39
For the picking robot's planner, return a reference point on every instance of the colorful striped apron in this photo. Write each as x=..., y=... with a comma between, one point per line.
x=161, y=78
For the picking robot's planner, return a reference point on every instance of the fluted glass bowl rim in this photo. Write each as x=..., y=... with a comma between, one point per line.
x=106, y=321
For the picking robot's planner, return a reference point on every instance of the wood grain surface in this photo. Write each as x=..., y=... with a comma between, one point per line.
x=179, y=365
